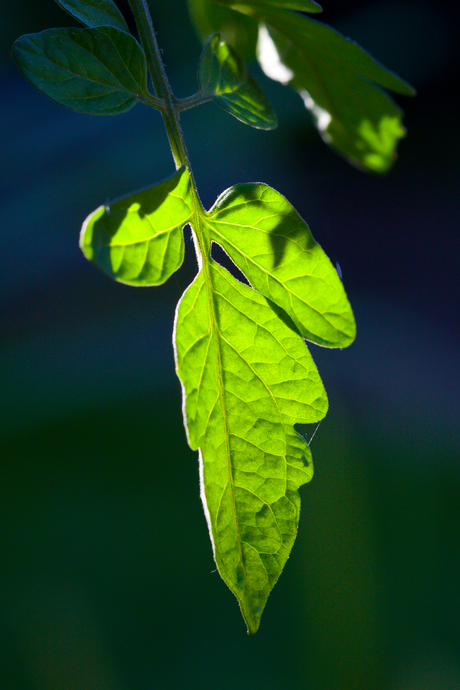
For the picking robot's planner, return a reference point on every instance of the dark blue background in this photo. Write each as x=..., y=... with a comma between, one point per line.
x=107, y=579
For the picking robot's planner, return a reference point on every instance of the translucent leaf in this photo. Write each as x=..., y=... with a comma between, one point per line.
x=98, y=71
x=273, y=246
x=247, y=378
x=299, y=5
x=222, y=74
x=336, y=79
x=235, y=28
x=138, y=240
x=94, y=13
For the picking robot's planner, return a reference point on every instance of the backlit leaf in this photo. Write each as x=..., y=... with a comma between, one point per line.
x=299, y=5
x=336, y=79
x=98, y=71
x=235, y=28
x=247, y=378
x=94, y=13
x=273, y=246
x=139, y=239
x=222, y=74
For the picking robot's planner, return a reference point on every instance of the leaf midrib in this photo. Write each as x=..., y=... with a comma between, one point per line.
x=200, y=220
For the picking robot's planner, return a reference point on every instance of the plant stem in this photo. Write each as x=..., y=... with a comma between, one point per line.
x=160, y=81
x=171, y=115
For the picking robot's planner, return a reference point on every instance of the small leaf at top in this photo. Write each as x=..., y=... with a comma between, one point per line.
x=222, y=74
x=273, y=246
x=247, y=377
x=94, y=13
x=98, y=71
x=335, y=77
x=235, y=28
x=138, y=239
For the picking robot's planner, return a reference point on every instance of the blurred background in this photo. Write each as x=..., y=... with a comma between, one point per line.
x=106, y=579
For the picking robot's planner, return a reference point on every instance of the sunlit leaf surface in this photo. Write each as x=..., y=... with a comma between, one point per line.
x=247, y=378
x=273, y=246
x=336, y=78
x=300, y=5
x=247, y=375
x=234, y=28
x=222, y=74
x=139, y=239
x=98, y=71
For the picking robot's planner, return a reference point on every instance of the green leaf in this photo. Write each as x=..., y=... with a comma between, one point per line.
x=222, y=74
x=273, y=246
x=336, y=79
x=299, y=5
x=235, y=28
x=247, y=377
x=138, y=240
x=94, y=13
x=98, y=71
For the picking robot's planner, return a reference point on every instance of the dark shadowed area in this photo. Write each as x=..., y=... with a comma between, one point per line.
x=106, y=574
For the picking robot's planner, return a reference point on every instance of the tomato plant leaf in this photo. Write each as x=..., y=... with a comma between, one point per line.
x=222, y=74
x=94, y=13
x=235, y=28
x=99, y=71
x=273, y=246
x=247, y=376
x=138, y=239
x=299, y=5
x=337, y=80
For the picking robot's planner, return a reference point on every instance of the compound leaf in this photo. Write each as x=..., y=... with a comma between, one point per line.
x=222, y=74
x=273, y=246
x=336, y=78
x=138, y=240
x=247, y=377
x=98, y=71
x=94, y=13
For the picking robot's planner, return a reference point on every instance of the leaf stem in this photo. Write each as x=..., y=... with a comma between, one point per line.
x=191, y=101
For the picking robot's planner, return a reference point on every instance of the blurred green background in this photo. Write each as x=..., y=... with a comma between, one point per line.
x=107, y=580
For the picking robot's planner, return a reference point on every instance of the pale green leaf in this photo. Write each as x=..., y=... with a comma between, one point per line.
x=222, y=74
x=273, y=246
x=336, y=79
x=94, y=13
x=247, y=378
x=299, y=5
x=235, y=28
x=138, y=240
x=98, y=71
